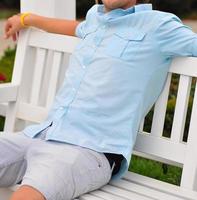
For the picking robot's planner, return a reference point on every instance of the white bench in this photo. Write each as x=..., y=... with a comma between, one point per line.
x=43, y=57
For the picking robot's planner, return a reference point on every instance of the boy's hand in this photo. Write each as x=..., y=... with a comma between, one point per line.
x=12, y=27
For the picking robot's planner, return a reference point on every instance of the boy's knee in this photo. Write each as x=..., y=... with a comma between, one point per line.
x=26, y=192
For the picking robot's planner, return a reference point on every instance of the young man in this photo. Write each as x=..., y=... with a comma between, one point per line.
x=115, y=75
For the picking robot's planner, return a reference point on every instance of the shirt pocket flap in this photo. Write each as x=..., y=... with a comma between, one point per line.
x=134, y=35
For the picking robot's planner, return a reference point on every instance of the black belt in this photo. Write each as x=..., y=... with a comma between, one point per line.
x=117, y=158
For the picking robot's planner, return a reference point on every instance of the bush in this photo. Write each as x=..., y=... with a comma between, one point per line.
x=6, y=68
x=7, y=63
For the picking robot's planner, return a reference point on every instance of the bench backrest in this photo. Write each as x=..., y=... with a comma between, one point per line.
x=40, y=67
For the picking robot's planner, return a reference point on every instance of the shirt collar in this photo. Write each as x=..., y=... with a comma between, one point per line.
x=122, y=12
x=143, y=7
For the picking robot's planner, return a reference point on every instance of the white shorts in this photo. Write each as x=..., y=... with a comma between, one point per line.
x=60, y=171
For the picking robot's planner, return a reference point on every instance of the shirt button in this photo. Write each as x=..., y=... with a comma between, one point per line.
x=61, y=108
x=83, y=66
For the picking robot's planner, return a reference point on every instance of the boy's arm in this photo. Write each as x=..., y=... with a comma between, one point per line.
x=175, y=38
x=52, y=25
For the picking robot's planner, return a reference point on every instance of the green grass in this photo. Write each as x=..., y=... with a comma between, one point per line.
x=6, y=13
x=154, y=169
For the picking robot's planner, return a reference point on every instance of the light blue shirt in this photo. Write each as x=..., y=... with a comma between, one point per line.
x=115, y=75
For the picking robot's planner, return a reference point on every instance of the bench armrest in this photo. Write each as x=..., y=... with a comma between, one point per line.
x=8, y=92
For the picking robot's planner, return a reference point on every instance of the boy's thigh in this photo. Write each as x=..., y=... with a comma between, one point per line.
x=13, y=145
x=64, y=171
x=17, y=139
x=91, y=171
x=12, y=164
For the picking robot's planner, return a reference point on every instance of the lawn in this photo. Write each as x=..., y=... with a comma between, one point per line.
x=157, y=170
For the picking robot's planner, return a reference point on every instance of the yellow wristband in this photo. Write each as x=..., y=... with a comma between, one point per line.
x=22, y=17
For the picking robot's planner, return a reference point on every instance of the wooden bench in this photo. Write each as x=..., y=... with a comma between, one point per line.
x=42, y=58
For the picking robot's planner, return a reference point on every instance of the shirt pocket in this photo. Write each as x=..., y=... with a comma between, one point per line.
x=88, y=37
x=123, y=44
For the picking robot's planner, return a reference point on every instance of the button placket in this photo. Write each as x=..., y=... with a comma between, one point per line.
x=63, y=110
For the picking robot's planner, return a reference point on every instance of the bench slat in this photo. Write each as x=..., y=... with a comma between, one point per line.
x=89, y=197
x=54, y=78
x=37, y=78
x=118, y=190
x=31, y=112
x=106, y=195
x=185, y=66
x=160, y=110
x=144, y=190
x=159, y=185
x=141, y=128
x=64, y=43
x=3, y=108
x=159, y=147
x=181, y=108
x=8, y=92
x=189, y=173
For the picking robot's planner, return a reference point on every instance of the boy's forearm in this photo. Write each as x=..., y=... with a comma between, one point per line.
x=52, y=25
